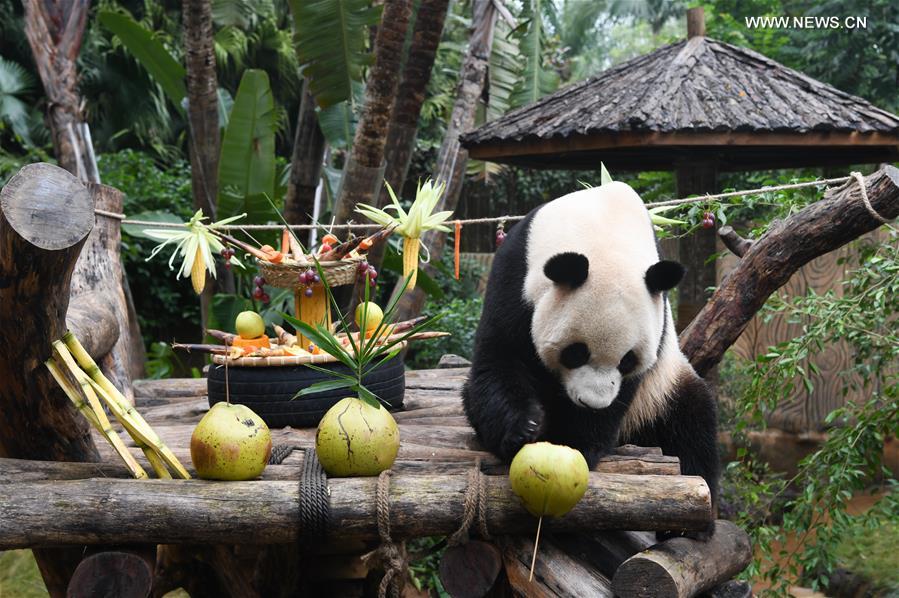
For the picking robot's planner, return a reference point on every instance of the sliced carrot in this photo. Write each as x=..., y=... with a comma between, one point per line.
x=331, y=240
x=285, y=240
x=251, y=344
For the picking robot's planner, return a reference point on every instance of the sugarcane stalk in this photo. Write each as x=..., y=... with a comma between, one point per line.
x=140, y=431
x=255, y=252
x=410, y=260
x=341, y=250
x=203, y=348
x=226, y=338
x=96, y=376
x=103, y=425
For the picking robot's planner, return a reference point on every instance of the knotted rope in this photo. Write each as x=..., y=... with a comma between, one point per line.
x=864, y=190
x=475, y=507
x=391, y=556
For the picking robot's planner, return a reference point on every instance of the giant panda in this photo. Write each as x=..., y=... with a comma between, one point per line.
x=576, y=344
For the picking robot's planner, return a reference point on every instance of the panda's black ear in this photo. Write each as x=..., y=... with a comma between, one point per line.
x=664, y=276
x=569, y=269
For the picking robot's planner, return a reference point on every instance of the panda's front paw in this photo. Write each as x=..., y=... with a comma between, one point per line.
x=528, y=429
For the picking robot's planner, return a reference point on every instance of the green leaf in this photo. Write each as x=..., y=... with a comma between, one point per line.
x=604, y=176
x=324, y=386
x=247, y=165
x=535, y=81
x=330, y=38
x=149, y=52
x=15, y=84
x=367, y=395
x=325, y=340
x=137, y=230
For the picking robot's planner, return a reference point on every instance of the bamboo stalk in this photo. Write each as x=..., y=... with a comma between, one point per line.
x=103, y=425
x=141, y=432
x=131, y=414
x=225, y=337
x=285, y=338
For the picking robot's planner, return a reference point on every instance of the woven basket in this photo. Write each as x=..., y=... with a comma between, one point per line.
x=286, y=360
x=286, y=275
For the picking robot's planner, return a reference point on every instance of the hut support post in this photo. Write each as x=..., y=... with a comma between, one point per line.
x=46, y=215
x=695, y=178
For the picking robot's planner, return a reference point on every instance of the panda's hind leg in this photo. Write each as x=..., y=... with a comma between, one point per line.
x=689, y=431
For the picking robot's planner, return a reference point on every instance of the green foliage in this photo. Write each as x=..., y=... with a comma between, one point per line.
x=330, y=44
x=150, y=52
x=163, y=304
x=247, y=165
x=163, y=362
x=536, y=81
x=425, y=555
x=863, y=316
x=16, y=84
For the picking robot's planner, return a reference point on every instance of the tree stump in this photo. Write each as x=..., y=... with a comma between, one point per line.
x=46, y=215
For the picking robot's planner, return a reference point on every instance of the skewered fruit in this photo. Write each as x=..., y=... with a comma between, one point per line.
x=549, y=478
x=249, y=325
x=355, y=438
x=372, y=313
x=230, y=443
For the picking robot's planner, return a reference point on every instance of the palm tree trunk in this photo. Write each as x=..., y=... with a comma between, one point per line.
x=453, y=157
x=407, y=108
x=364, y=168
x=55, y=31
x=202, y=118
x=305, y=164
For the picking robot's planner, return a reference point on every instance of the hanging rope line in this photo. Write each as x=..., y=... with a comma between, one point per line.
x=510, y=218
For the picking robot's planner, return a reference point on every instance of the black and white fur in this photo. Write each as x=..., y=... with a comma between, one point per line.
x=576, y=343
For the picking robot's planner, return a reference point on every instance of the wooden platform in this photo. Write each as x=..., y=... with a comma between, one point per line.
x=435, y=440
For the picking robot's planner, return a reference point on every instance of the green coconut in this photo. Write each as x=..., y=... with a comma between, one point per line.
x=230, y=443
x=549, y=478
x=355, y=438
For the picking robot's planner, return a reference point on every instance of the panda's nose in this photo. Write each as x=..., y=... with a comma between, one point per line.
x=574, y=355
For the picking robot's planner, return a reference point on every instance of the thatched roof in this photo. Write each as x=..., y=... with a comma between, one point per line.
x=700, y=94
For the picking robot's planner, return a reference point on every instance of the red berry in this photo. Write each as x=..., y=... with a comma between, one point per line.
x=308, y=291
x=372, y=273
x=259, y=281
x=708, y=220
x=266, y=298
x=362, y=268
x=227, y=265
x=500, y=237
x=315, y=278
x=325, y=248
x=258, y=293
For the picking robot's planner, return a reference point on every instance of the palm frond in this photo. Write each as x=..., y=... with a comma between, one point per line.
x=536, y=81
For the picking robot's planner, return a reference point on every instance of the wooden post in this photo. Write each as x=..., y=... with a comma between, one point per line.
x=98, y=278
x=695, y=22
x=46, y=215
x=695, y=178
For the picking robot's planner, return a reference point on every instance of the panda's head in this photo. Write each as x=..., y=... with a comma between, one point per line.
x=598, y=291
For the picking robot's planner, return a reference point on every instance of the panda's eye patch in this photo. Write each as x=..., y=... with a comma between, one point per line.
x=574, y=355
x=628, y=363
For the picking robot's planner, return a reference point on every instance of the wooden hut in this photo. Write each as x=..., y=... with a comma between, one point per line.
x=697, y=107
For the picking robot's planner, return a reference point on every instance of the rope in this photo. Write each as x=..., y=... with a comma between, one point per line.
x=280, y=452
x=861, y=183
x=392, y=557
x=315, y=498
x=475, y=507
x=497, y=219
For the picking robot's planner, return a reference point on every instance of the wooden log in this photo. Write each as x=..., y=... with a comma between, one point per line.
x=557, y=574
x=681, y=567
x=120, y=573
x=825, y=225
x=263, y=512
x=45, y=216
x=91, y=317
x=99, y=275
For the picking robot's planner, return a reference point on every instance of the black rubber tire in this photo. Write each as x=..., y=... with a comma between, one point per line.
x=269, y=391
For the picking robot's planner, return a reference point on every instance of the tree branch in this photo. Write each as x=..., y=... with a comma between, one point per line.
x=768, y=264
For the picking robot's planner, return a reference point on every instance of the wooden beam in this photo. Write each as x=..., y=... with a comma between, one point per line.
x=821, y=227
x=532, y=146
x=261, y=512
